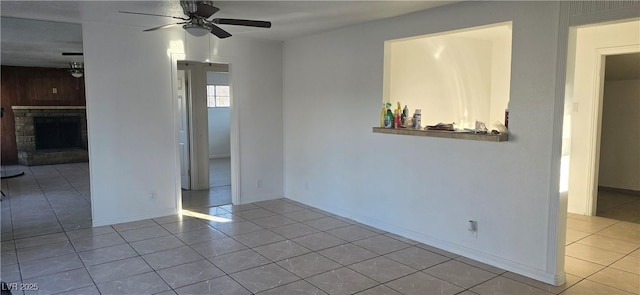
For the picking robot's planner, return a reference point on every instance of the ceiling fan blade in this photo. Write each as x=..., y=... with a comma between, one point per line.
x=71, y=53
x=242, y=22
x=151, y=14
x=164, y=27
x=220, y=33
x=206, y=10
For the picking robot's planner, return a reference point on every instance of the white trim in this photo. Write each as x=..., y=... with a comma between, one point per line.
x=234, y=126
x=595, y=132
x=234, y=133
x=112, y=221
x=175, y=57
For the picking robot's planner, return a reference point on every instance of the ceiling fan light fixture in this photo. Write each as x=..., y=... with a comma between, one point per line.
x=76, y=74
x=196, y=30
x=77, y=69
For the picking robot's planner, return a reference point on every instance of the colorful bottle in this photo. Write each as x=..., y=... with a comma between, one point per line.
x=403, y=117
x=417, y=119
x=388, y=120
x=383, y=114
x=396, y=119
x=506, y=118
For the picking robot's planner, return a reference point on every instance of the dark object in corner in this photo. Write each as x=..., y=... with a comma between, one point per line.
x=441, y=126
x=6, y=175
x=4, y=289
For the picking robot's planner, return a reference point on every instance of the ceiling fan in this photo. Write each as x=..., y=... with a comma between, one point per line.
x=76, y=68
x=199, y=21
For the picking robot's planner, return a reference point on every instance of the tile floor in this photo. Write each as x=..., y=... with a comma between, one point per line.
x=220, y=172
x=219, y=192
x=272, y=247
x=618, y=205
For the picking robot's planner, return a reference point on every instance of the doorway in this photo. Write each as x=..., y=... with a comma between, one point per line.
x=618, y=195
x=204, y=103
x=589, y=47
x=219, y=115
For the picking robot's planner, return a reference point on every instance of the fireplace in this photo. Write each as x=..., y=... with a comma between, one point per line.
x=48, y=135
x=57, y=132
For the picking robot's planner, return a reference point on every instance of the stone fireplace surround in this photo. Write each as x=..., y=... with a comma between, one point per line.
x=26, y=140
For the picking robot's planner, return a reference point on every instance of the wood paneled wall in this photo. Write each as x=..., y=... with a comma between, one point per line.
x=28, y=86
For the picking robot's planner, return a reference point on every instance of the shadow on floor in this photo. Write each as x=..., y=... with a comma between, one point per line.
x=215, y=196
x=619, y=206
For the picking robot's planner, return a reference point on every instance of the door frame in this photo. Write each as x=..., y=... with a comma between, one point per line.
x=188, y=109
x=596, y=120
x=234, y=125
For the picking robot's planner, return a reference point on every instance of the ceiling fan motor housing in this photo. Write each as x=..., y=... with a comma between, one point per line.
x=191, y=7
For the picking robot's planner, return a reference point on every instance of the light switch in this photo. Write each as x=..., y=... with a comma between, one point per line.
x=55, y=90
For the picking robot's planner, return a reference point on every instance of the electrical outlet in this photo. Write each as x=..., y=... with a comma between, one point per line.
x=473, y=228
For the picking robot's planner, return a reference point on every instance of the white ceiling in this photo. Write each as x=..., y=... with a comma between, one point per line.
x=39, y=44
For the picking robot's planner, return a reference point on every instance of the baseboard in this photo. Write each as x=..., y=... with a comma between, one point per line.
x=509, y=265
x=246, y=199
x=112, y=221
x=619, y=190
x=217, y=156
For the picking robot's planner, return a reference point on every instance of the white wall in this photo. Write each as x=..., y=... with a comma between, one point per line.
x=452, y=87
x=219, y=119
x=427, y=188
x=219, y=132
x=620, y=141
x=132, y=122
x=586, y=107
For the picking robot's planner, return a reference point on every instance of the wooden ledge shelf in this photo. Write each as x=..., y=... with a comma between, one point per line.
x=443, y=134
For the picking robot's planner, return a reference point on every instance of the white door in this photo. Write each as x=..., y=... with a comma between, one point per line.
x=183, y=86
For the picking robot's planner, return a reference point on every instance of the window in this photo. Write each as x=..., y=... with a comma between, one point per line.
x=218, y=96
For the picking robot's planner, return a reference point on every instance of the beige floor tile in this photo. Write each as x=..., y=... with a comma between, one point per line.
x=626, y=225
x=571, y=280
x=609, y=243
x=618, y=279
x=502, y=285
x=635, y=253
x=575, y=235
x=590, y=218
x=460, y=274
x=587, y=287
x=629, y=264
x=592, y=254
x=594, y=219
x=481, y=265
x=580, y=268
x=417, y=283
x=625, y=234
x=586, y=226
